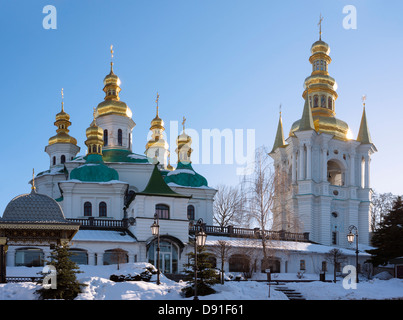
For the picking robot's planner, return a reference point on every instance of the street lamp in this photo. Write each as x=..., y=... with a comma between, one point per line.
x=155, y=230
x=200, y=240
x=350, y=239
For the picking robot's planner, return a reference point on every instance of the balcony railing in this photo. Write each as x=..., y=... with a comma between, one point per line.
x=229, y=231
x=256, y=233
x=101, y=224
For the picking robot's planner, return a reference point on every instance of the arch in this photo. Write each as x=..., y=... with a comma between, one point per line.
x=239, y=263
x=63, y=159
x=115, y=256
x=335, y=173
x=169, y=255
x=270, y=263
x=79, y=256
x=102, y=209
x=191, y=212
x=330, y=103
x=106, y=137
x=120, y=137
x=29, y=257
x=162, y=210
x=87, y=209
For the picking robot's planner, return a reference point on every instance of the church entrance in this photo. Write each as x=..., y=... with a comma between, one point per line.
x=168, y=256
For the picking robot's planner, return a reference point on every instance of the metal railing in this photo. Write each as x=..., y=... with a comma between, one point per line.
x=231, y=231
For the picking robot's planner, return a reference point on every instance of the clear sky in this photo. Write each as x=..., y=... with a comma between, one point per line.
x=225, y=64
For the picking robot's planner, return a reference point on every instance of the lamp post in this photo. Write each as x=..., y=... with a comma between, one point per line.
x=200, y=240
x=350, y=239
x=155, y=230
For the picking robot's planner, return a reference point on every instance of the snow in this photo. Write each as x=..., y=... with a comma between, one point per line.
x=102, y=235
x=99, y=287
x=179, y=171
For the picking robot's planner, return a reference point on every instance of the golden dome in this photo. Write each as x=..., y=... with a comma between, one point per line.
x=320, y=46
x=157, y=123
x=62, y=123
x=95, y=139
x=330, y=125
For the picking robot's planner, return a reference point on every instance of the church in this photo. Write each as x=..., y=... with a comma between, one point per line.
x=115, y=195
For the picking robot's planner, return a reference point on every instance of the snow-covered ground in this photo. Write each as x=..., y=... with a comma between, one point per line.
x=99, y=287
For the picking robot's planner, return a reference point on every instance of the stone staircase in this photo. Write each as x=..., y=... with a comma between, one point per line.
x=290, y=293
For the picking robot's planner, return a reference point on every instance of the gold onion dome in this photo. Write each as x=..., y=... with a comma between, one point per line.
x=62, y=123
x=95, y=139
x=322, y=95
x=112, y=103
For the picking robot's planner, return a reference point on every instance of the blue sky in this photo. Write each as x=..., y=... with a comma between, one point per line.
x=221, y=63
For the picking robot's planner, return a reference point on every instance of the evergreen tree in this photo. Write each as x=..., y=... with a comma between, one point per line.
x=206, y=275
x=387, y=239
x=67, y=285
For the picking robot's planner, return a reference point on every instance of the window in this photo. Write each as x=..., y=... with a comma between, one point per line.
x=315, y=101
x=335, y=175
x=105, y=137
x=94, y=149
x=102, y=209
x=334, y=237
x=115, y=256
x=29, y=257
x=63, y=159
x=79, y=256
x=330, y=103
x=120, y=139
x=87, y=209
x=54, y=160
x=324, y=266
x=169, y=257
x=323, y=102
x=130, y=140
x=239, y=263
x=272, y=264
x=302, y=265
x=162, y=210
x=191, y=212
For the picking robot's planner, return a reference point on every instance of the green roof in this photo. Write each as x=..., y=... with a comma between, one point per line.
x=94, y=170
x=157, y=186
x=121, y=155
x=279, y=140
x=306, y=122
x=363, y=134
x=184, y=175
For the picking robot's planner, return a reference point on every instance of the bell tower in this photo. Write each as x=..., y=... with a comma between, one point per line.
x=325, y=172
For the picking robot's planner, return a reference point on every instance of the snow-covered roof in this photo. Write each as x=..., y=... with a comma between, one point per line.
x=281, y=245
x=102, y=235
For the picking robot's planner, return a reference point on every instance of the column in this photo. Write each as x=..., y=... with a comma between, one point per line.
x=324, y=164
x=352, y=171
x=308, y=161
x=367, y=161
x=294, y=167
x=301, y=163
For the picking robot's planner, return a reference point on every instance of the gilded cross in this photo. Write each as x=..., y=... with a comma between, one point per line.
x=320, y=26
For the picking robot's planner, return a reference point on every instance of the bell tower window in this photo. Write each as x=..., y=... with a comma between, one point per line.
x=105, y=137
x=120, y=137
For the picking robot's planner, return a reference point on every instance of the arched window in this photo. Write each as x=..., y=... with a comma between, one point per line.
x=162, y=210
x=87, y=209
x=102, y=209
x=120, y=138
x=105, y=137
x=130, y=140
x=329, y=103
x=315, y=101
x=79, y=256
x=335, y=175
x=54, y=161
x=191, y=212
x=169, y=256
x=323, y=102
x=115, y=256
x=63, y=158
x=239, y=263
x=94, y=149
x=29, y=257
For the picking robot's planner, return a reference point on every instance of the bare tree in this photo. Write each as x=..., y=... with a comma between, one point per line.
x=335, y=257
x=222, y=250
x=382, y=203
x=228, y=206
x=260, y=188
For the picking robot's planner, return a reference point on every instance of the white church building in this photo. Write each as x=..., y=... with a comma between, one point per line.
x=114, y=193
